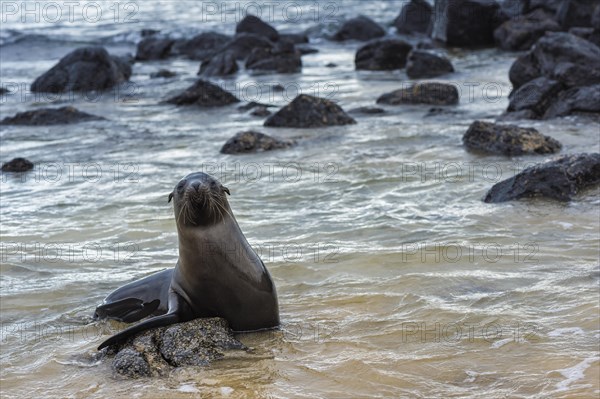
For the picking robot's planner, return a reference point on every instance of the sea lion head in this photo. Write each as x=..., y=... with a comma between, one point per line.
x=199, y=200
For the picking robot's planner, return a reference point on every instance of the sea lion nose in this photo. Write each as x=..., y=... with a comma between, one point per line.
x=196, y=186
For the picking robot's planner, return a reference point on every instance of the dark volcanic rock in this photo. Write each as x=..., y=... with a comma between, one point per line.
x=204, y=94
x=382, y=55
x=551, y=6
x=414, y=17
x=296, y=38
x=156, y=352
x=220, y=64
x=154, y=48
x=560, y=179
x=243, y=44
x=465, y=23
x=307, y=111
x=4, y=90
x=202, y=46
x=360, y=28
x=250, y=142
x=422, y=93
x=422, y=64
x=577, y=100
x=576, y=13
x=162, y=73
x=521, y=32
x=49, y=116
x=545, y=77
x=253, y=24
x=17, y=165
x=260, y=112
x=87, y=68
x=282, y=58
x=508, y=139
x=536, y=95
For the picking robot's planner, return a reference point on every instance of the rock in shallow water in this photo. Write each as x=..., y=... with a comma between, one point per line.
x=414, y=17
x=560, y=179
x=84, y=69
x=155, y=352
x=204, y=94
x=200, y=47
x=162, y=73
x=521, y=32
x=307, y=111
x=251, y=142
x=154, y=48
x=220, y=64
x=382, y=55
x=423, y=64
x=508, y=139
x=422, y=93
x=17, y=165
x=359, y=28
x=50, y=116
x=254, y=25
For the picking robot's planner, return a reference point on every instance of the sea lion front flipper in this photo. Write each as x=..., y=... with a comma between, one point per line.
x=126, y=310
x=178, y=312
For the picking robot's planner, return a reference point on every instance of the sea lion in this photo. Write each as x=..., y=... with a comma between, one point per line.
x=217, y=274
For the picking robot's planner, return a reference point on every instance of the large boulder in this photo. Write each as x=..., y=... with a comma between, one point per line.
x=551, y=6
x=307, y=111
x=254, y=25
x=422, y=93
x=282, y=58
x=200, y=47
x=84, y=69
x=521, y=32
x=414, y=17
x=573, y=13
x=50, y=116
x=251, y=142
x=560, y=179
x=154, y=48
x=158, y=351
x=382, y=55
x=17, y=165
x=204, y=94
x=508, y=140
x=360, y=28
x=220, y=64
x=424, y=64
x=465, y=23
x=558, y=62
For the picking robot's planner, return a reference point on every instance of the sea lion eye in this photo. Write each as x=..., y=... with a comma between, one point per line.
x=170, y=198
x=226, y=190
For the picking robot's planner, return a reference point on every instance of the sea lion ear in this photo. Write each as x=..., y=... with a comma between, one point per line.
x=226, y=190
x=170, y=198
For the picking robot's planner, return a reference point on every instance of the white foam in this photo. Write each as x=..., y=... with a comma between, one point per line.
x=575, y=373
x=566, y=331
x=187, y=388
x=500, y=343
x=226, y=391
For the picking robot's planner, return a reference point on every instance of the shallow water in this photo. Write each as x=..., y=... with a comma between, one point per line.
x=394, y=278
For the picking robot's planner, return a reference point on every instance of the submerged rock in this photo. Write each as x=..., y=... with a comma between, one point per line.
x=4, y=90
x=414, y=17
x=251, y=142
x=17, y=165
x=382, y=55
x=204, y=94
x=260, y=112
x=221, y=64
x=254, y=25
x=367, y=110
x=423, y=64
x=154, y=48
x=360, y=28
x=560, y=179
x=508, y=139
x=87, y=68
x=157, y=351
x=307, y=111
x=50, y=116
x=162, y=73
x=521, y=32
x=200, y=47
x=465, y=23
x=422, y=93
